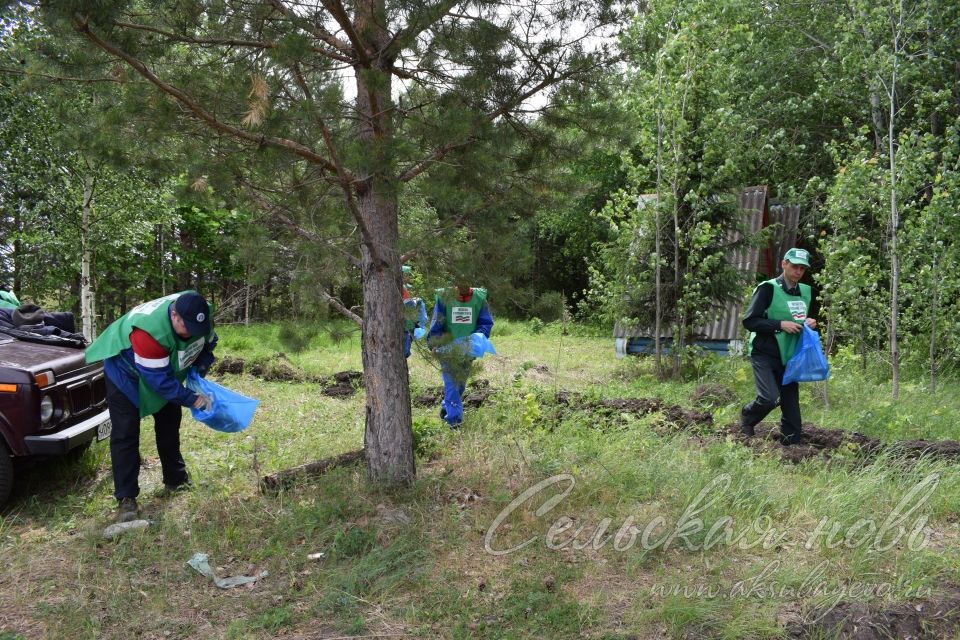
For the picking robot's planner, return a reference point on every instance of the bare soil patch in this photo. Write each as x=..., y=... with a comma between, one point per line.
x=928, y=619
x=674, y=416
x=713, y=396
x=815, y=441
x=477, y=392
x=820, y=442
x=342, y=384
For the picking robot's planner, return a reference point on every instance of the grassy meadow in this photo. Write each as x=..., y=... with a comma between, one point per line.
x=623, y=526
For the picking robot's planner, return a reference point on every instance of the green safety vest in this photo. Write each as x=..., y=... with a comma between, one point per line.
x=786, y=307
x=154, y=318
x=462, y=316
x=8, y=300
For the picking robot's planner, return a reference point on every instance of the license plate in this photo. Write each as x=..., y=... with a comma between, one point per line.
x=103, y=430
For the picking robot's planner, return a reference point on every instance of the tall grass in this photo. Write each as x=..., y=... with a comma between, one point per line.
x=413, y=561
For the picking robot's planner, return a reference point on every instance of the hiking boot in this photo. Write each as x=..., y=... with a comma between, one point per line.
x=747, y=430
x=786, y=440
x=128, y=510
x=186, y=485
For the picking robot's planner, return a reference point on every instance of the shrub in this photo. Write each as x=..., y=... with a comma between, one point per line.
x=549, y=307
x=294, y=337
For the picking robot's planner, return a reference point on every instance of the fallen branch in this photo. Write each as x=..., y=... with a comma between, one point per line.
x=281, y=479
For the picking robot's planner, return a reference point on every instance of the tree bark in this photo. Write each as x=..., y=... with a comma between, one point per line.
x=388, y=437
x=87, y=311
x=894, y=218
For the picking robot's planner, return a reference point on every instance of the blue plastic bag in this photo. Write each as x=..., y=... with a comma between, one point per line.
x=476, y=345
x=231, y=411
x=417, y=305
x=480, y=344
x=808, y=363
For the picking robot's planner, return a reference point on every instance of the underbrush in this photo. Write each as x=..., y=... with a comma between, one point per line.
x=536, y=519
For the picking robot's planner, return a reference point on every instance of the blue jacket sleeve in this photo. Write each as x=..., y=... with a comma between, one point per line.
x=161, y=380
x=484, y=321
x=206, y=358
x=439, y=313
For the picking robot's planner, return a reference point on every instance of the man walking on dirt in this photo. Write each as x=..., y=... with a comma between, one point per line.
x=147, y=355
x=459, y=312
x=775, y=318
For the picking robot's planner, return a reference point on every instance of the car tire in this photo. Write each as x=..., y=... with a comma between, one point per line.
x=6, y=473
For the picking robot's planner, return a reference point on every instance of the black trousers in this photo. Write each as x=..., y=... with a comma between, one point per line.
x=125, y=443
x=768, y=376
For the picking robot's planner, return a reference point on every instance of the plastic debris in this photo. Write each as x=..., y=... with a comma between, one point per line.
x=200, y=562
x=118, y=528
x=316, y=556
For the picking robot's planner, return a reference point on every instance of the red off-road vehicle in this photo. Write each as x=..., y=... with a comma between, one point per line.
x=51, y=402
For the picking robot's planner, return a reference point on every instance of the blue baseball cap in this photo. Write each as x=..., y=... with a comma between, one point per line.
x=195, y=313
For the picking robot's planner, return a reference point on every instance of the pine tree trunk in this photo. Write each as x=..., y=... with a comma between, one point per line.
x=388, y=436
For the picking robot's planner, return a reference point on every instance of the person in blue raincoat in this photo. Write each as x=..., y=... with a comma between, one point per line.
x=459, y=311
x=414, y=314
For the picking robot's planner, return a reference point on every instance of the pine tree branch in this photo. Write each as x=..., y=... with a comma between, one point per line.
x=436, y=156
x=194, y=107
x=314, y=30
x=551, y=78
x=225, y=42
x=339, y=306
x=336, y=10
x=346, y=183
x=47, y=76
x=423, y=20
x=276, y=212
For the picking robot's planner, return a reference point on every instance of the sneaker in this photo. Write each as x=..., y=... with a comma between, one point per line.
x=128, y=511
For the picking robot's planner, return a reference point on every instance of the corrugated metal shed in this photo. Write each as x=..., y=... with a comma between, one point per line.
x=758, y=213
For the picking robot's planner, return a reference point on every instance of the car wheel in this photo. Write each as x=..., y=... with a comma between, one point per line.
x=6, y=473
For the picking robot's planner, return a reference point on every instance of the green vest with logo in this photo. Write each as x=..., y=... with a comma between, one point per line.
x=154, y=318
x=8, y=300
x=784, y=306
x=461, y=317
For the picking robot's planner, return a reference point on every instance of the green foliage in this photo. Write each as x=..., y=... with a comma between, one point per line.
x=352, y=541
x=296, y=336
x=429, y=433
x=549, y=307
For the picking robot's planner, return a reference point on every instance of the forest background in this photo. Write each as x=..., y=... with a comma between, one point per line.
x=122, y=180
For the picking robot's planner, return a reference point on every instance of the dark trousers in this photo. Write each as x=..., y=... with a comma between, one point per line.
x=125, y=444
x=768, y=376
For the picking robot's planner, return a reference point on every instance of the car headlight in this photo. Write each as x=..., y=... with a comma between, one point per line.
x=46, y=409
